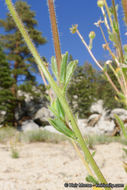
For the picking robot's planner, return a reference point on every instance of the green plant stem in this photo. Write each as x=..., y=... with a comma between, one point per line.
x=121, y=80
x=98, y=64
x=119, y=45
x=109, y=16
x=108, y=48
x=105, y=19
x=82, y=158
x=58, y=92
x=113, y=56
x=58, y=58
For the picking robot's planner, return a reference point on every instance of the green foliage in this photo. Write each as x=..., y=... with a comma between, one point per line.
x=22, y=62
x=87, y=86
x=70, y=70
x=41, y=136
x=82, y=89
x=36, y=92
x=104, y=139
x=7, y=100
x=106, y=92
x=14, y=153
x=6, y=133
x=54, y=67
x=121, y=124
x=63, y=68
x=92, y=180
x=59, y=122
x=66, y=71
x=61, y=126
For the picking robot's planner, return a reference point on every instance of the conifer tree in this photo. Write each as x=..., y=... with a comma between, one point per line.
x=7, y=100
x=22, y=63
x=82, y=91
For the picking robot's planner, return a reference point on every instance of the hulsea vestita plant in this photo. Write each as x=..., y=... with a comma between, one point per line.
x=64, y=121
x=118, y=62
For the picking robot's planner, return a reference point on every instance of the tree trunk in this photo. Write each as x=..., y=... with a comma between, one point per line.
x=14, y=89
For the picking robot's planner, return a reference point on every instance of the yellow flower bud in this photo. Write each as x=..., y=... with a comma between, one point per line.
x=74, y=28
x=100, y=3
x=92, y=35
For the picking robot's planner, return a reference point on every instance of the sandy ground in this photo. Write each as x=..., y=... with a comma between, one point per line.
x=46, y=166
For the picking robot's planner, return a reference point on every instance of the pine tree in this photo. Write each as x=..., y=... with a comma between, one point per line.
x=7, y=100
x=19, y=55
x=82, y=91
x=89, y=85
x=107, y=93
x=22, y=63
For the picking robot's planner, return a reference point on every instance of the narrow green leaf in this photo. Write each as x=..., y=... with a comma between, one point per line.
x=60, y=109
x=57, y=109
x=70, y=70
x=112, y=37
x=91, y=179
x=53, y=123
x=122, y=97
x=53, y=111
x=124, y=69
x=93, y=153
x=120, y=122
x=115, y=26
x=61, y=127
x=125, y=188
x=54, y=66
x=63, y=68
x=54, y=104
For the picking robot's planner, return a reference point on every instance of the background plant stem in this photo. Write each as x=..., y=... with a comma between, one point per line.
x=55, y=34
x=98, y=64
x=119, y=45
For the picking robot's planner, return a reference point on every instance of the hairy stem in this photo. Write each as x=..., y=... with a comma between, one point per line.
x=109, y=16
x=119, y=45
x=105, y=19
x=124, y=4
x=113, y=56
x=58, y=58
x=82, y=158
x=108, y=48
x=55, y=34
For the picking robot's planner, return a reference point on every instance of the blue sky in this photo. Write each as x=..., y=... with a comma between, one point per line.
x=68, y=12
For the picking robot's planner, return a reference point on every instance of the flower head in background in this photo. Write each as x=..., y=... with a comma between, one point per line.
x=74, y=28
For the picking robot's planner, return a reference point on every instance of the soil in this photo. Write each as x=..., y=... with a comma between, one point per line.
x=46, y=166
